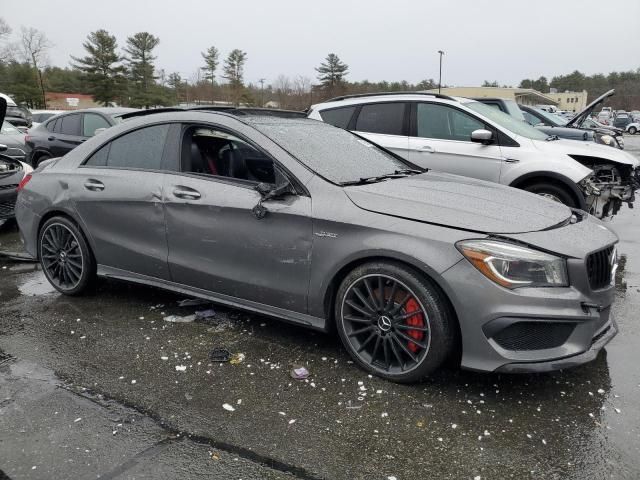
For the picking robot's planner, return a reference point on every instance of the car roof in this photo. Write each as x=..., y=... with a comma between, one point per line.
x=358, y=99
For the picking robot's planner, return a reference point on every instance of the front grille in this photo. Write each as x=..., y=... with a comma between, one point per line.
x=7, y=208
x=533, y=335
x=600, y=267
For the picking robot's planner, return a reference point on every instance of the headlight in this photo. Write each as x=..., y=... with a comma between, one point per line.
x=607, y=139
x=514, y=266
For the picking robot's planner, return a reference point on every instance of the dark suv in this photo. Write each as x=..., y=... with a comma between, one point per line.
x=65, y=132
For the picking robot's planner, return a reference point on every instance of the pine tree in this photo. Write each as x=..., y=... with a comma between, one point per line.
x=234, y=72
x=105, y=73
x=210, y=65
x=331, y=73
x=141, y=68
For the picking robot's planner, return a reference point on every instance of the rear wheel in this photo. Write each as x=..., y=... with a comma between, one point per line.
x=394, y=322
x=41, y=158
x=553, y=192
x=65, y=256
x=633, y=130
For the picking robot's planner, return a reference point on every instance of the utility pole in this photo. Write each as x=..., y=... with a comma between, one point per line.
x=440, y=78
x=262, y=80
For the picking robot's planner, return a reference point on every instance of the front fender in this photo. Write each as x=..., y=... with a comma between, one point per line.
x=572, y=186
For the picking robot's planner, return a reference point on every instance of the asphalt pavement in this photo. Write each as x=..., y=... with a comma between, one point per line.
x=101, y=386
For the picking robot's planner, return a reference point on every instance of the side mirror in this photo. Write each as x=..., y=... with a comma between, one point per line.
x=482, y=136
x=268, y=192
x=3, y=148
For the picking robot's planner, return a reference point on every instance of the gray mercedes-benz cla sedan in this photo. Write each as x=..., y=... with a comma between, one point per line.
x=309, y=223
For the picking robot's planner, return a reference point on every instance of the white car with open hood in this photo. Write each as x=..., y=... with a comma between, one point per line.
x=466, y=137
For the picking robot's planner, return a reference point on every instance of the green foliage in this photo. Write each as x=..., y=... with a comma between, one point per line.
x=19, y=80
x=332, y=71
x=234, y=73
x=210, y=63
x=487, y=83
x=140, y=60
x=102, y=67
x=541, y=84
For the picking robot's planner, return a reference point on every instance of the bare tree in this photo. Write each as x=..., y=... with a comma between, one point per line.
x=34, y=50
x=301, y=92
x=282, y=86
x=6, y=48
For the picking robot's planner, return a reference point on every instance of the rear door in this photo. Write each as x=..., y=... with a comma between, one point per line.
x=441, y=140
x=386, y=124
x=118, y=193
x=66, y=134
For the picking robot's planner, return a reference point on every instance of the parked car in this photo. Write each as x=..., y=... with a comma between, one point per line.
x=466, y=137
x=64, y=132
x=633, y=127
x=622, y=120
x=549, y=123
x=39, y=116
x=13, y=139
x=13, y=171
x=322, y=228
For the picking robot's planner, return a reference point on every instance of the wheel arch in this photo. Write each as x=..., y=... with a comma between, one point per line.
x=554, y=178
x=60, y=212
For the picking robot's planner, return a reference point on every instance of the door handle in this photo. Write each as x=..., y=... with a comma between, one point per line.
x=94, y=185
x=186, y=193
x=426, y=149
x=51, y=138
x=511, y=160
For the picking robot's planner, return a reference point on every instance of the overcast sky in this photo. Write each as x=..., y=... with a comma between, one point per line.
x=503, y=40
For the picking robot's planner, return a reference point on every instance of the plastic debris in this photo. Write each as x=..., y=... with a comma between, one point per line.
x=180, y=319
x=237, y=358
x=204, y=314
x=219, y=355
x=181, y=368
x=192, y=302
x=228, y=407
x=299, y=373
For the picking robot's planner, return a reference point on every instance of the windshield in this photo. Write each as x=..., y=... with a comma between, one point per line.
x=335, y=154
x=552, y=118
x=507, y=121
x=8, y=129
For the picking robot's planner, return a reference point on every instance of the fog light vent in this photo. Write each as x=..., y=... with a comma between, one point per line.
x=533, y=335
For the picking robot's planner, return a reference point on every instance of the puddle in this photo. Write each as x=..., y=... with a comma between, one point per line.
x=36, y=284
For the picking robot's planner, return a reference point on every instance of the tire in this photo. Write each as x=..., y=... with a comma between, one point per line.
x=65, y=256
x=41, y=158
x=633, y=130
x=379, y=335
x=554, y=192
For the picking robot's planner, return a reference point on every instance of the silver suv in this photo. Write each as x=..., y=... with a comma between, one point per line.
x=466, y=137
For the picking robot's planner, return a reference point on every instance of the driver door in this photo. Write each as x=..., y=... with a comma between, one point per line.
x=216, y=242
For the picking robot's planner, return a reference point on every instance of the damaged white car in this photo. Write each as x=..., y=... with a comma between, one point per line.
x=466, y=137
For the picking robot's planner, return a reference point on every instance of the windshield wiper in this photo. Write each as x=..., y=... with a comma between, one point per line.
x=396, y=174
x=552, y=138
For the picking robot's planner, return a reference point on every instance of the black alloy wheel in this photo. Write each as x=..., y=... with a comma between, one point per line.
x=393, y=323
x=65, y=257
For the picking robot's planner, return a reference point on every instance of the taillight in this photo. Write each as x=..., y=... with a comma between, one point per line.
x=27, y=138
x=23, y=182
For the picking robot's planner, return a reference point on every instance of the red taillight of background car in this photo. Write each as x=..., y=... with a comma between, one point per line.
x=27, y=138
x=23, y=182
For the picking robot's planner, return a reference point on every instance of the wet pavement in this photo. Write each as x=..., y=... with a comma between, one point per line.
x=151, y=404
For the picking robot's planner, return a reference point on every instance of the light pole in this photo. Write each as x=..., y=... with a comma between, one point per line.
x=440, y=78
x=262, y=80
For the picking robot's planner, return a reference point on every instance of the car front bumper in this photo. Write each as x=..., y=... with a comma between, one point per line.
x=529, y=329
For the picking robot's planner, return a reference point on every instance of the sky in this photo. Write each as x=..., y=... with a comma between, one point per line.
x=503, y=40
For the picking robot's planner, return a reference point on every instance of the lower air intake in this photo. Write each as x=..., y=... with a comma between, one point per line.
x=533, y=335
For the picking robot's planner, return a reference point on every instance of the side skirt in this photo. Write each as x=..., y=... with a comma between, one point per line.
x=297, y=318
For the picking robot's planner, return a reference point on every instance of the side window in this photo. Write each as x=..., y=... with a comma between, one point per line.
x=386, y=118
x=338, y=117
x=208, y=151
x=91, y=122
x=53, y=125
x=70, y=125
x=140, y=149
x=446, y=123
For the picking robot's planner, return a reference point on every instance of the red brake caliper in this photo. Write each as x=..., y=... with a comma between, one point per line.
x=416, y=320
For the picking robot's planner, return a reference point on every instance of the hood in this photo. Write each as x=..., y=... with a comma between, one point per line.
x=460, y=202
x=570, y=133
x=588, y=149
x=3, y=109
x=579, y=118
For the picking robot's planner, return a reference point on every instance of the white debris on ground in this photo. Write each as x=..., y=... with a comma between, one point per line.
x=228, y=407
x=180, y=319
x=181, y=368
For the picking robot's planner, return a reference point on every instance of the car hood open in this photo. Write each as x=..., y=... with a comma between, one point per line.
x=460, y=202
x=588, y=149
x=580, y=116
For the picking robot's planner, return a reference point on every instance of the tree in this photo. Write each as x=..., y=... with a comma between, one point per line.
x=34, y=49
x=282, y=86
x=331, y=73
x=175, y=82
x=102, y=66
x=210, y=65
x=234, y=72
x=6, y=48
x=141, y=68
x=487, y=83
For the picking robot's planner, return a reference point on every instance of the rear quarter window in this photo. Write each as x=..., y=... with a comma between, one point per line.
x=385, y=118
x=338, y=117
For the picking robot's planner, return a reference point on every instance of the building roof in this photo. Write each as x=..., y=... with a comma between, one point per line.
x=531, y=95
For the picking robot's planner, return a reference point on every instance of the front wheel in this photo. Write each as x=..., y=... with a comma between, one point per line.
x=553, y=192
x=65, y=256
x=633, y=130
x=394, y=322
